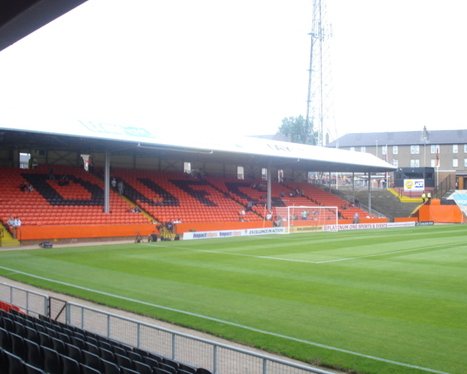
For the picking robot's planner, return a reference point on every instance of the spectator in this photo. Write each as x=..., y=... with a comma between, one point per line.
x=64, y=181
x=356, y=218
x=241, y=215
x=121, y=187
x=113, y=183
x=135, y=209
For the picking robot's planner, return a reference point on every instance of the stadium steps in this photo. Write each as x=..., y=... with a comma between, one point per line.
x=6, y=239
x=386, y=203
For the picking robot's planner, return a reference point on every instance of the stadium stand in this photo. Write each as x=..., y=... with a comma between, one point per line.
x=65, y=195
x=41, y=345
x=177, y=196
x=71, y=196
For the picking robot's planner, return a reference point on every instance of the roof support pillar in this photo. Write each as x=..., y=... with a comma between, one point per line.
x=353, y=185
x=107, y=183
x=369, y=193
x=269, y=189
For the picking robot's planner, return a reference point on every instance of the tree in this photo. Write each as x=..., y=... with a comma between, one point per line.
x=297, y=130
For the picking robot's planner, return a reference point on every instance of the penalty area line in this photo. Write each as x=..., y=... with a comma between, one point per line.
x=229, y=323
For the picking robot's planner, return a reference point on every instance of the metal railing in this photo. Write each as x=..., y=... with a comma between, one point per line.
x=191, y=350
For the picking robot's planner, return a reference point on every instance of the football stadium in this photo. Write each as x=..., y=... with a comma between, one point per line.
x=124, y=250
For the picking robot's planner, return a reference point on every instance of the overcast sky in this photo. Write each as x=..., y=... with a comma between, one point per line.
x=241, y=65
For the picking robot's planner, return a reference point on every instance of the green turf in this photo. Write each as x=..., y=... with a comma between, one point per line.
x=398, y=294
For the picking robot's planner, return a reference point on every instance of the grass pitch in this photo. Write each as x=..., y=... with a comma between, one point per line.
x=386, y=301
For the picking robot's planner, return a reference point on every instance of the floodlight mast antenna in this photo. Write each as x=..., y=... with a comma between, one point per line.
x=315, y=102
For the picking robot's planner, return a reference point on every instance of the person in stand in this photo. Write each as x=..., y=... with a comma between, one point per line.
x=423, y=197
x=269, y=216
x=120, y=187
x=241, y=215
x=356, y=218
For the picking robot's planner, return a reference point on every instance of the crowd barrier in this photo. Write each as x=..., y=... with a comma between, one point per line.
x=188, y=349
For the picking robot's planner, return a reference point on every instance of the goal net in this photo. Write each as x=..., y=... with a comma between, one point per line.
x=306, y=218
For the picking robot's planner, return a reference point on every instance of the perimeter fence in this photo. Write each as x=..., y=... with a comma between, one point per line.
x=185, y=348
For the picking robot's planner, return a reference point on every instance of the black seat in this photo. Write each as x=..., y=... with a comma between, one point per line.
x=169, y=365
x=123, y=361
x=182, y=371
x=92, y=348
x=85, y=369
x=151, y=361
x=119, y=349
x=81, y=343
x=8, y=324
x=3, y=358
x=64, y=337
x=161, y=371
x=52, y=362
x=19, y=328
x=92, y=360
x=59, y=345
x=105, y=344
x=74, y=352
x=125, y=370
x=106, y=354
x=202, y=371
x=5, y=339
x=110, y=367
x=186, y=368
x=15, y=364
x=18, y=347
x=45, y=340
x=69, y=365
x=142, y=368
x=31, y=369
x=34, y=354
x=32, y=334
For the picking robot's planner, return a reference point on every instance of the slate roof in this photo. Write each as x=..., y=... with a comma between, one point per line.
x=400, y=138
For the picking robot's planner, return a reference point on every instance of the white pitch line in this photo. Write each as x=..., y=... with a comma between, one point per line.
x=296, y=260
x=230, y=323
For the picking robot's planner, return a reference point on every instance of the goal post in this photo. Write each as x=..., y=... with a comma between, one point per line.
x=304, y=218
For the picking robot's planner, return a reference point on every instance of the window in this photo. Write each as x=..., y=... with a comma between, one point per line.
x=395, y=163
x=465, y=162
x=395, y=149
x=434, y=148
x=414, y=149
x=455, y=148
x=455, y=163
x=384, y=150
x=264, y=174
x=433, y=163
x=362, y=148
x=240, y=172
x=465, y=148
x=414, y=163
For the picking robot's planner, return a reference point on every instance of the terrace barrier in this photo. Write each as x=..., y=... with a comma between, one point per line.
x=188, y=349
